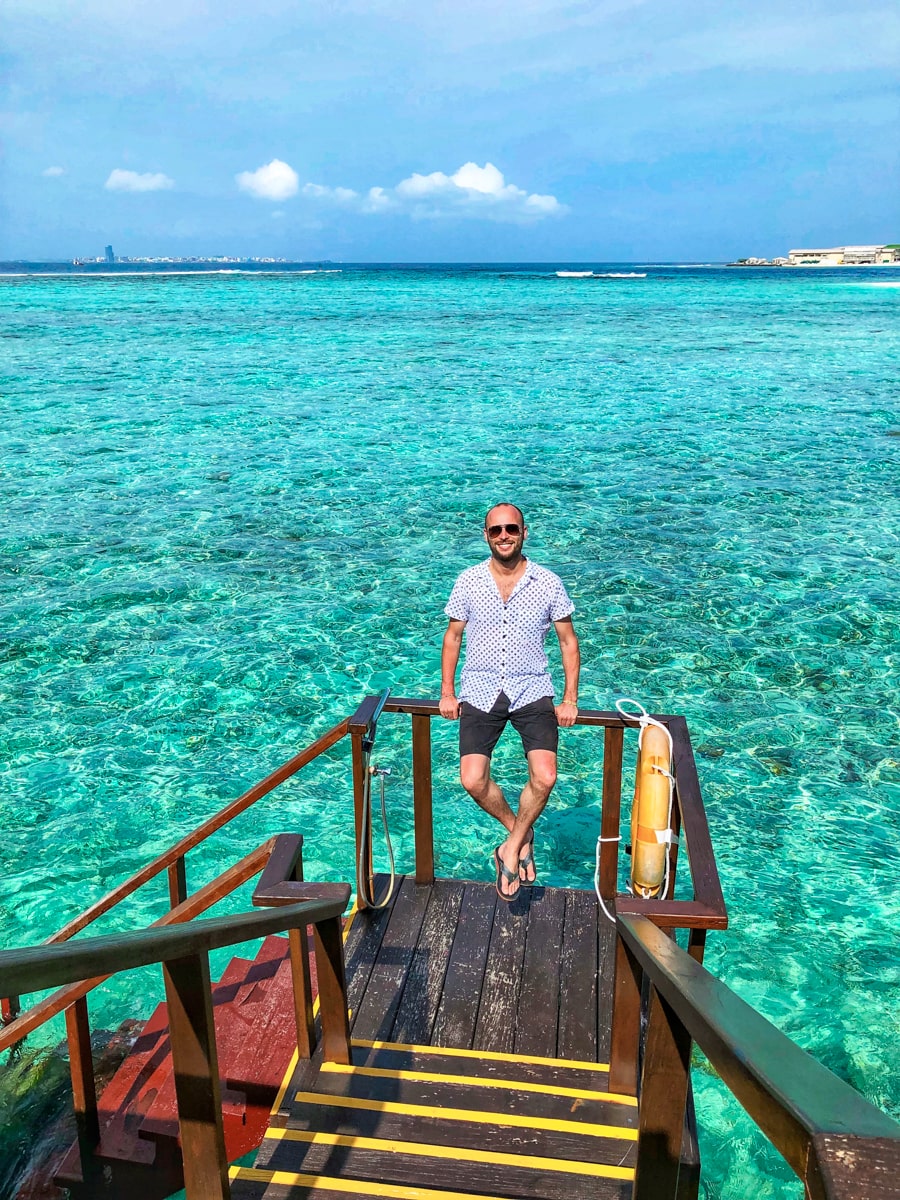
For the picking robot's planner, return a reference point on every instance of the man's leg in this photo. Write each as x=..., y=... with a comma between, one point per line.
x=479, y=733
x=541, y=778
x=475, y=775
x=537, y=726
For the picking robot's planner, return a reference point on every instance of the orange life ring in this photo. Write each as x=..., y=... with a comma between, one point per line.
x=650, y=812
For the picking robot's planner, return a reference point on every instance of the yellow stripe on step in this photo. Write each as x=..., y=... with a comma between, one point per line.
x=292, y=1065
x=485, y=1055
x=531, y=1162
x=356, y=1187
x=479, y=1082
x=323, y=1099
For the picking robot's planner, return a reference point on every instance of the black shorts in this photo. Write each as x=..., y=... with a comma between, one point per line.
x=535, y=723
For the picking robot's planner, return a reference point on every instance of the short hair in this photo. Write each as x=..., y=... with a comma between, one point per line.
x=505, y=504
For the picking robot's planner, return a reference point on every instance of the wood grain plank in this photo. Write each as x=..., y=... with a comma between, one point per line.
x=450, y=1172
x=538, y=1016
x=606, y=981
x=496, y=1025
x=439, y=1130
x=361, y=947
x=511, y=1099
x=577, y=1033
x=378, y=1006
x=425, y=979
x=549, y=1073
x=454, y=1024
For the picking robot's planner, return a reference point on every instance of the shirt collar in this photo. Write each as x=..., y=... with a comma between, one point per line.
x=530, y=572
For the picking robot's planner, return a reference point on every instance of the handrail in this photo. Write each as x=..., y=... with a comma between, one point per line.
x=807, y=1112
x=204, y=898
x=183, y=951
x=44, y=966
x=707, y=910
x=212, y=825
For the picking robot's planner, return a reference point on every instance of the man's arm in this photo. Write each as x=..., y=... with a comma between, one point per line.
x=449, y=660
x=567, y=709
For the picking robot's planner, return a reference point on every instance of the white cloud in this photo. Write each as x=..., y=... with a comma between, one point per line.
x=338, y=195
x=132, y=181
x=53, y=172
x=275, y=181
x=472, y=191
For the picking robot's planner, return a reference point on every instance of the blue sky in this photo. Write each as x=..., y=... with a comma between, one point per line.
x=373, y=130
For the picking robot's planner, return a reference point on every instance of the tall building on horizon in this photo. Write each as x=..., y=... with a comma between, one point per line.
x=110, y=257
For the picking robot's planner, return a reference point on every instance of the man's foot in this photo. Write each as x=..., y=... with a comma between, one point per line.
x=507, y=877
x=527, y=869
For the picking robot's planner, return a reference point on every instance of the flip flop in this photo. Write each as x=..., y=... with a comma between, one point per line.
x=503, y=872
x=526, y=861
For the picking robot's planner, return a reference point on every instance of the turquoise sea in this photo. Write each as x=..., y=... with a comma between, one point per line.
x=232, y=504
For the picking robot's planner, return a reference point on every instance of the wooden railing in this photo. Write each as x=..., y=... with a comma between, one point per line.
x=705, y=910
x=819, y=1126
x=183, y=950
x=839, y=1145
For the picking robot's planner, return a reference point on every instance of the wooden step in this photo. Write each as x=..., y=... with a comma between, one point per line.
x=510, y=1096
x=410, y=1162
x=423, y=1120
x=481, y=1064
x=255, y=1037
x=249, y=1183
x=449, y=1125
x=138, y=1113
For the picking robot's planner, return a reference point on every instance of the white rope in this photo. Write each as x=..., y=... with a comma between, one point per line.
x=365, y=839
x=600, y=841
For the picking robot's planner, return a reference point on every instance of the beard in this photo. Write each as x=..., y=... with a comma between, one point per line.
x=507, y=557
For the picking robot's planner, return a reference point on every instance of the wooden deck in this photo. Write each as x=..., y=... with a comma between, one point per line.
x=479, y=1047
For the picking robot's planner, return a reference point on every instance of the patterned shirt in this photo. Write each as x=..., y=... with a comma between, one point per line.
x=505, y=642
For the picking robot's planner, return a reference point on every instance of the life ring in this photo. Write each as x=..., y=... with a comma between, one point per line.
x=651, y=812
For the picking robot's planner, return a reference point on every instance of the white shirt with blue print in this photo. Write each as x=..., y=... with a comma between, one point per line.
x=505, y=642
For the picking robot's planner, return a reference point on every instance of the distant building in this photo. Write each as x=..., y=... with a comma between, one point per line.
x=110, y=257
x=844, y=256
x=864, y=255
x=817, y=258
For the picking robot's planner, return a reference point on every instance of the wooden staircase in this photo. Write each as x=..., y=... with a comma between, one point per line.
x=431, y=1123
x=139, y=1152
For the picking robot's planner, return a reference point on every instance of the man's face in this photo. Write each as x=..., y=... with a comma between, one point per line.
x=505, y=543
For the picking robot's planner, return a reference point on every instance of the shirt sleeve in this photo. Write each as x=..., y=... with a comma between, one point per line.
x=560, y=604
x=457, y=607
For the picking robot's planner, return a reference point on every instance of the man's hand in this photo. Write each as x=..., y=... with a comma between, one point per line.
x=566, y=712
x=449, y=708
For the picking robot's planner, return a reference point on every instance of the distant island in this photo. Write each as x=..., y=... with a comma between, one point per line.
x=835, y=256
x=116, y=260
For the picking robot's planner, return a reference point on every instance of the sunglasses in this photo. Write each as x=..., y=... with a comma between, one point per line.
x=495, y=530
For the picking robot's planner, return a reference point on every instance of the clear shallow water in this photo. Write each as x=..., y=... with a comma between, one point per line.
x=232, y=505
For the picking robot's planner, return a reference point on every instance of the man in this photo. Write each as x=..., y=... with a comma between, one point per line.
x=507, y=605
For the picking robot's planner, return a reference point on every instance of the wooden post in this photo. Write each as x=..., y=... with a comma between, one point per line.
x=664, y=1084
x=332, y=990
x=303, y=999
x=177, y=882
x=610, y=816
x=359, y=783
x=424, y=826
x=697, y=944
x=9, y=1009
x=197, y=1089
x=675, y=826
x=84, y=1090
x=626, y=1023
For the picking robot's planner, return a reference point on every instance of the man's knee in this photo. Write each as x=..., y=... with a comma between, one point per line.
x=542, y=776
x=475, y=777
